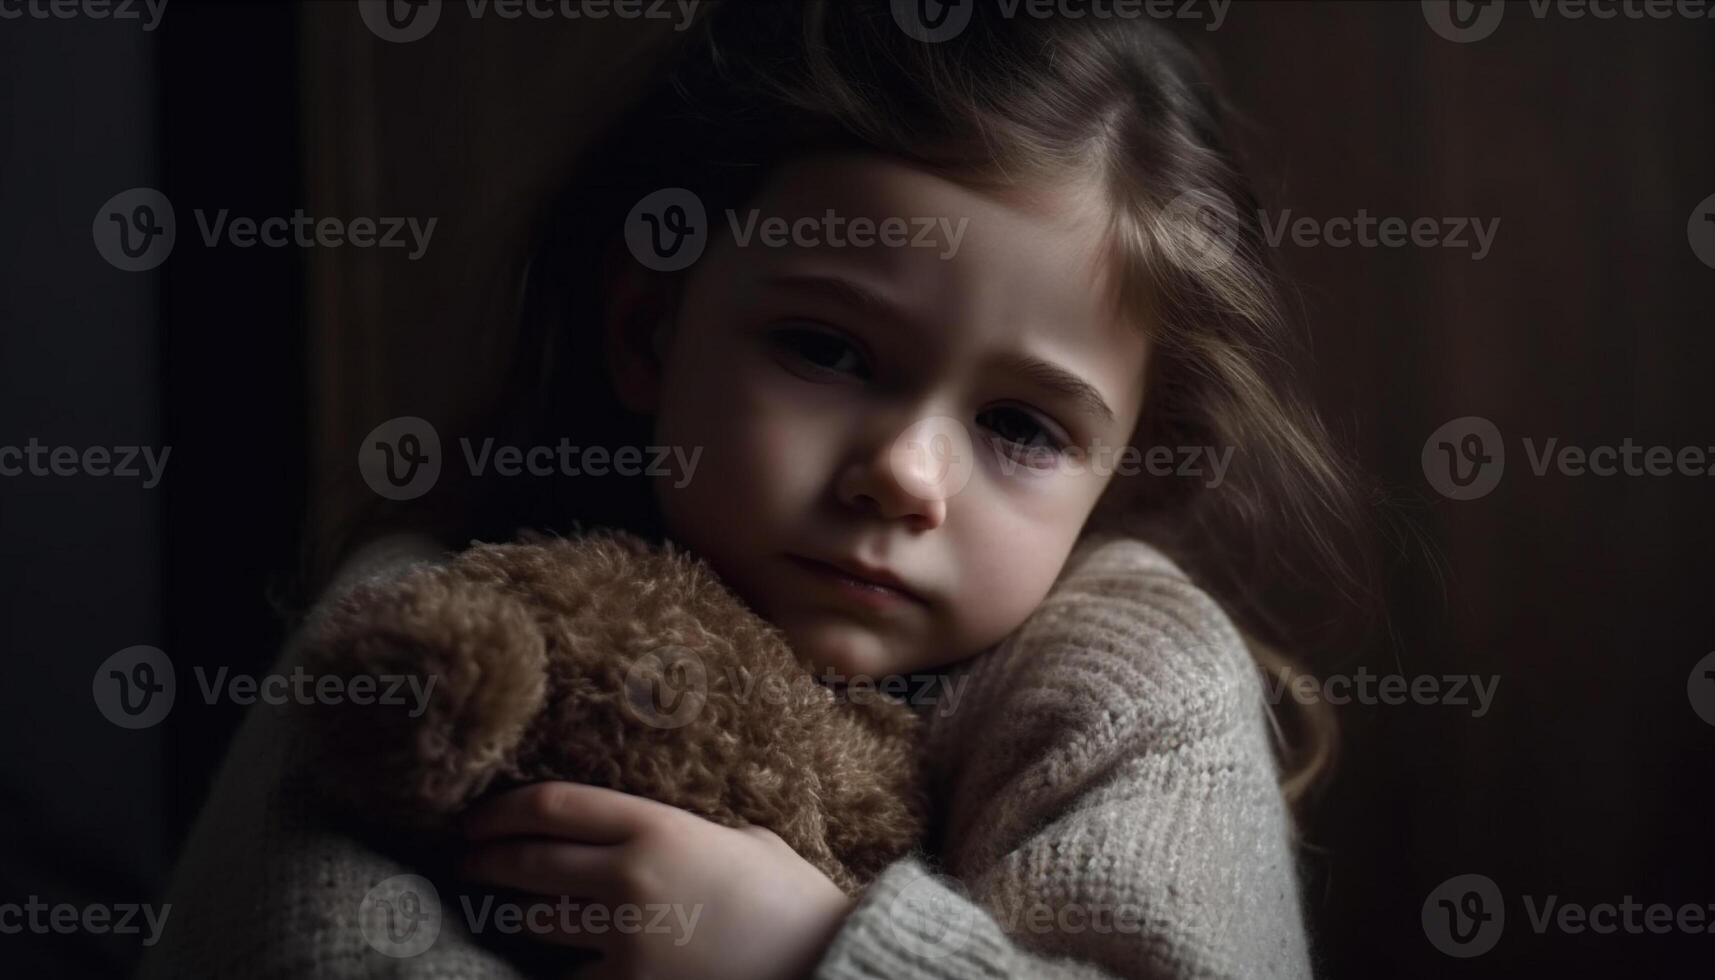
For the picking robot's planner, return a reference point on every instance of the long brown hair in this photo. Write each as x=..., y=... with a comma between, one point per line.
x=1009, y=101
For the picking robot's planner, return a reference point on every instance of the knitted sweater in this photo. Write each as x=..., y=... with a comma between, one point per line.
x=1105, y=806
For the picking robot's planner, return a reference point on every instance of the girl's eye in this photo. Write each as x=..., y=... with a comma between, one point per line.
x=1021, y=436
x=821, y=351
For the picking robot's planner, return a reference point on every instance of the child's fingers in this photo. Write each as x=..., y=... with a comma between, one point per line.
x=556, y=922
x=541, y=866
x=575, y=811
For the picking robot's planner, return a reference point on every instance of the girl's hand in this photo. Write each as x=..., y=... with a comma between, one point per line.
x=658, y=891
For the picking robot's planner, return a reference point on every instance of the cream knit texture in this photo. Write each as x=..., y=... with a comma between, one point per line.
x=1107, y=798
x=1105, y=806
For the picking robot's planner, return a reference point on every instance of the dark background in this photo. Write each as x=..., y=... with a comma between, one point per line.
x=1590, y=321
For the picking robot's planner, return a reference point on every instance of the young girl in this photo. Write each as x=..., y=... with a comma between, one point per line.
x=902, y=443
x=932, y=451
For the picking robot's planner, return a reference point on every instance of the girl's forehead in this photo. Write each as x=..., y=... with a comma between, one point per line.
x=1070, y=207
x=1022, y=251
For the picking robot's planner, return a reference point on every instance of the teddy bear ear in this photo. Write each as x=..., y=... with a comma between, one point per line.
x=478, y=663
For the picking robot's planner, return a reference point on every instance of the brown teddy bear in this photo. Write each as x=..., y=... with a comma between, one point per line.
x=599, y=659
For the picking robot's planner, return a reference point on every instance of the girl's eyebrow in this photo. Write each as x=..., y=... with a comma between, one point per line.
x=865, y=301
x=1056, y=379
x=855, y=296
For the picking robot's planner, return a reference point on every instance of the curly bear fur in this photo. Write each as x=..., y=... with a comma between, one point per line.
x=548, y=660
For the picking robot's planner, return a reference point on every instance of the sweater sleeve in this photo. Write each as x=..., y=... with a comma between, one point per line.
x=268, y=888
x=1107, y=800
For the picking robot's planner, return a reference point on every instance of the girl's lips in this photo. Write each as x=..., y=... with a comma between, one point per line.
x=865, y=590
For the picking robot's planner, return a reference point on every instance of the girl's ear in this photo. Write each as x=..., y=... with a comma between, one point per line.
x=637, y=322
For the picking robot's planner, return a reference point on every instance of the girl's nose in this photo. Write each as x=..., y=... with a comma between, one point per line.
x=911, y=476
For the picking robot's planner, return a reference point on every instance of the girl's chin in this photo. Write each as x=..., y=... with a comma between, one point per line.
x=840, y=651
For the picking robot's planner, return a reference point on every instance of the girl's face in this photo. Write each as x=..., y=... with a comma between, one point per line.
x=927, y=415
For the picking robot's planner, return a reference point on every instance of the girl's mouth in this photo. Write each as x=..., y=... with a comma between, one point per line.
x=871, y=589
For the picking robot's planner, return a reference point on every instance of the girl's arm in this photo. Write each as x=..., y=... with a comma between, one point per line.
x=1110, y=798
x=267, y=886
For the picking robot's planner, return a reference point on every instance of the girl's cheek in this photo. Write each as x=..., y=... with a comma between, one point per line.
x=1007, y=566
x=1013, y=538
x=764, y=442
x=709, y=400
x=1055, y=499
